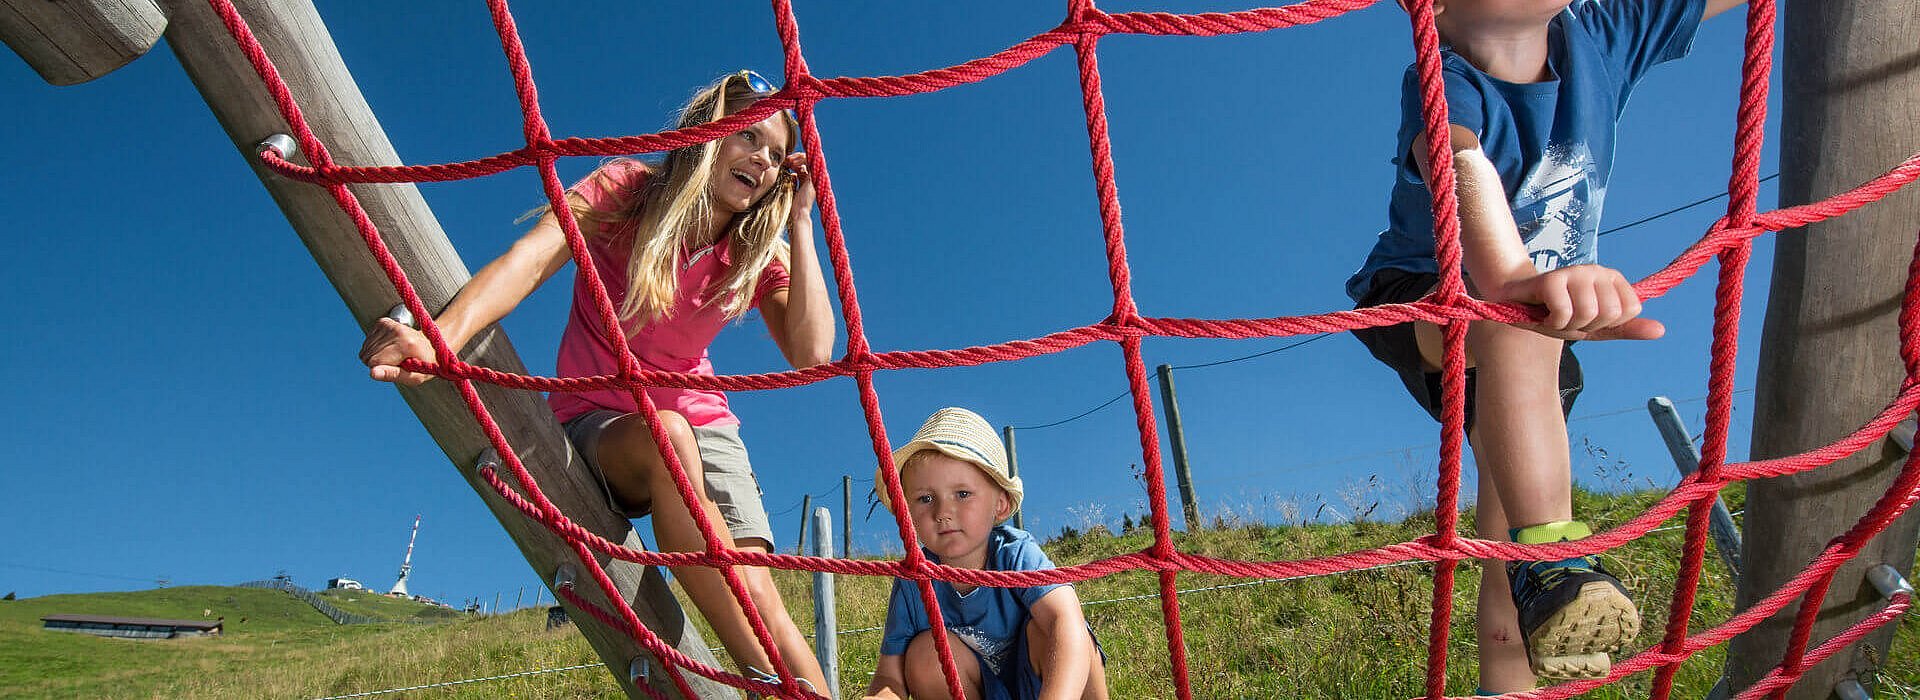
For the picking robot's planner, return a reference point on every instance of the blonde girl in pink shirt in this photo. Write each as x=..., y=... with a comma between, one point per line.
x=683, y=247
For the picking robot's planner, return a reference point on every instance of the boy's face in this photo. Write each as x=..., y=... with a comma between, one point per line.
x=953, y=505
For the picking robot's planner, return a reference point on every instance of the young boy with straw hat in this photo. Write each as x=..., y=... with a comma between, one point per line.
x=1019, y=643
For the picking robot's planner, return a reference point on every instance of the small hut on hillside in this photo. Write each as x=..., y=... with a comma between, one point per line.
x=132, y=627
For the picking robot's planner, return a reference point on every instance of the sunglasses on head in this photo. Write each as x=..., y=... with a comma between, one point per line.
x=756, y=82
x=759, y=84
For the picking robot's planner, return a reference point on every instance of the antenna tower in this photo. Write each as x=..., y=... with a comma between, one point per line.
x=406, y=565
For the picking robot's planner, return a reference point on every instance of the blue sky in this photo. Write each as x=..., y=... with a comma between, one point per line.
x=185, y=403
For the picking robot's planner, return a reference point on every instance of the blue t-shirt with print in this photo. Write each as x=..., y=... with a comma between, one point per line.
x=986, y=619
x=1551, y=141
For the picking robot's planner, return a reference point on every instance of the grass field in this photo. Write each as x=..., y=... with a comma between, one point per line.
x=375, y=605
x=1359, y=635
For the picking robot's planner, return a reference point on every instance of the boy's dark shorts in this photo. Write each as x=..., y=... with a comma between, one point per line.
x=1397, y=347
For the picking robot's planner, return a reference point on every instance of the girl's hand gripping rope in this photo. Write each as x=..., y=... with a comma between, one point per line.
x=388, y=343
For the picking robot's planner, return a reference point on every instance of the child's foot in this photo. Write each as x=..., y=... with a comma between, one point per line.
x=1572, y=615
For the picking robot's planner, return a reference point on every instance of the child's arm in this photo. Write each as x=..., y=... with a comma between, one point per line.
x=1715, y=7
x=1584, y=302
x=889, y=679
x=1068, y=654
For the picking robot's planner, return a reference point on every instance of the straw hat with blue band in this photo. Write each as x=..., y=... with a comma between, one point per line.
x=962, y=435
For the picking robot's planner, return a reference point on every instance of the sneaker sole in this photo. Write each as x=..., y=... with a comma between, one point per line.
x=1575, y=642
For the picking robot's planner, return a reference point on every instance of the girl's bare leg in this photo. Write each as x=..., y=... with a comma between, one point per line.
x=637, y=474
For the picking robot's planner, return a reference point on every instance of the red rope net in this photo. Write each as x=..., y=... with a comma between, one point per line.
x=1729, y=239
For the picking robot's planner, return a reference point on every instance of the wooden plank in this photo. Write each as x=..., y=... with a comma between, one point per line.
x=294, y=36
x=74, y=41
x=1829, y=355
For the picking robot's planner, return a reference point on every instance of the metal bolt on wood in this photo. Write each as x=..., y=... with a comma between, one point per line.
x=401, y=313
x=281, y=144
x=1902, y=434
x=1889, y=581
x=1850, y=689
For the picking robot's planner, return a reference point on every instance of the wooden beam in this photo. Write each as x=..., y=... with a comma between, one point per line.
x=1829, y=357
x=74, y=41
x=294, y=36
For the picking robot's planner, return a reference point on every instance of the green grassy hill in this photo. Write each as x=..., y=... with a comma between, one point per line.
x=384, y=607
x=1359, y=635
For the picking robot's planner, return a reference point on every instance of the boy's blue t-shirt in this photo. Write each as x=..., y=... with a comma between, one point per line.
x=985, y=618
x=1552, y=142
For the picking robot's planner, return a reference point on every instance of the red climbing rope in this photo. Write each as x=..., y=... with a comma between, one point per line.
x=1729, y=240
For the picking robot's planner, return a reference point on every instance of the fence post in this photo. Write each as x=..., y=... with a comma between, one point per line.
x=1177, y=438
x=846, y=516
x=1686, y=458
x=806, y=510
x=826, y=628
x=1013, y=467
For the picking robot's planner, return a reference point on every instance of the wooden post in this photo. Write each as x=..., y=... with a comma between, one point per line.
x=1013, y=467
x=294, y=36
x=846, y=516
x=74, y=41
x=1829, y=354
x=1177, y=439
x=826, y=625
x=806, y=512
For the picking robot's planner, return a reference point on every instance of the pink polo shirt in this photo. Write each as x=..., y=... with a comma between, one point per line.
x=676, y=343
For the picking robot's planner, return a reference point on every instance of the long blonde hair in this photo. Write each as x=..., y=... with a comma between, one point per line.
x=672, y=209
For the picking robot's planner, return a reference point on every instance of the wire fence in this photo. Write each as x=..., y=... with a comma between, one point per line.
x=333, y=613
x=448, y=684
x=877, y=628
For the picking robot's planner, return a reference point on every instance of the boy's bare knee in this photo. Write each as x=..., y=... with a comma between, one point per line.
x=1096, y=678
x=1039, y=645
x=1040, y=649
x=924, y=675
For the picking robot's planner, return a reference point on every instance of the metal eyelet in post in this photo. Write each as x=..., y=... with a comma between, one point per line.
x=1889, y=581
x=638, y=670
x=1850, y=689
x=1903, y=433
x=400, y=313
x=279, y=143
x=489, y=459
x=563, y=577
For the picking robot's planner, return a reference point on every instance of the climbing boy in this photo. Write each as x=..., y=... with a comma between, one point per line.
x=1007, y=643
x=1534, y=89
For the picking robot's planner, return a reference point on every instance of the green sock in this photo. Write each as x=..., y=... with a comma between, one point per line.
x=1557, y=531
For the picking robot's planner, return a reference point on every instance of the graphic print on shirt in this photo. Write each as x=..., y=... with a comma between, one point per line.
x=1552, y=205
x=991, y=650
